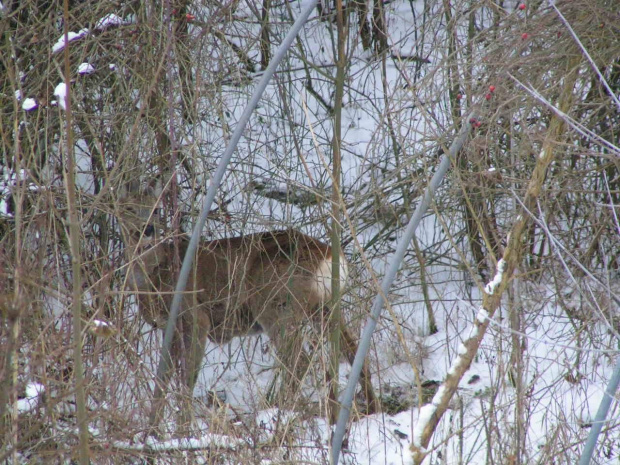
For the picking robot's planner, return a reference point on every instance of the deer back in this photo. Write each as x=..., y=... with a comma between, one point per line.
x=262, y=278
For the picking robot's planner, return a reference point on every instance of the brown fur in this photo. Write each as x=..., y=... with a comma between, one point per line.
x=273, y=282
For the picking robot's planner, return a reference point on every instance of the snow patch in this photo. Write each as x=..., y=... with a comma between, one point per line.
x=8, y=180
x=30, y=104
x=482, y=315
x=61, y=93
x=109, y=20
x=28, y=403
x=4, y=209
x=204, y=442
x=424, y=417
x=86, y=68
x=71, y=36
x=439, y=394
x=497, y=279
x=102, y=328
x=473, y=332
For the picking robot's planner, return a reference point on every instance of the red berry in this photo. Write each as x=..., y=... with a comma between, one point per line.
x=488, y=96
x=473, y=121
x=522, y=6
x=477, y=124
x=459, y=96
x=524, y=36
x=491, y=88
x=189, y=17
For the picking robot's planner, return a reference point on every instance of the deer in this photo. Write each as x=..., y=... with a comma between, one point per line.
x=271, y=282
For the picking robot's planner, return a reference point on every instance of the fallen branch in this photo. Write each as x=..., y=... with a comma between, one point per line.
x=209, y=441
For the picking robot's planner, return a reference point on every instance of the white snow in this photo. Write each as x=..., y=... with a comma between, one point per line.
x=30, y=104
x=61, y=93
x=33, y=391
x=4, y=209
x=441, y=392
x=109, y=20
x=462, y=350
x=206, y=441
x=18, y=94
x=86, y=68
x=102, y=328
x=497, y=279
x=426, y=413
x=458, y=360
x=72, y=36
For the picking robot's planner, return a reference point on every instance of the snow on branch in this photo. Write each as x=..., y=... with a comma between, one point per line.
x=497, y=279
x=33, y=392
x=60, y=92
x=431, y=414
x=71, y=37
x=208, y=441
x=108, y=21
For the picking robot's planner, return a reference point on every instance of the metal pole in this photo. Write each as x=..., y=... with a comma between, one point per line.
x=601, y=415
x=164, y=362
x=394, y=265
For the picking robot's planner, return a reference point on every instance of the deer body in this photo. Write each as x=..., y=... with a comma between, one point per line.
x=243, y=285
x=271, y=282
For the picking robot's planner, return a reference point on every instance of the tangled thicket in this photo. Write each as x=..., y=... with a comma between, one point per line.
x=169, y=82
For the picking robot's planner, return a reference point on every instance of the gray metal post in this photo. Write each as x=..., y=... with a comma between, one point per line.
x=394, y=265
x=164, y=362
x=601, y=415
